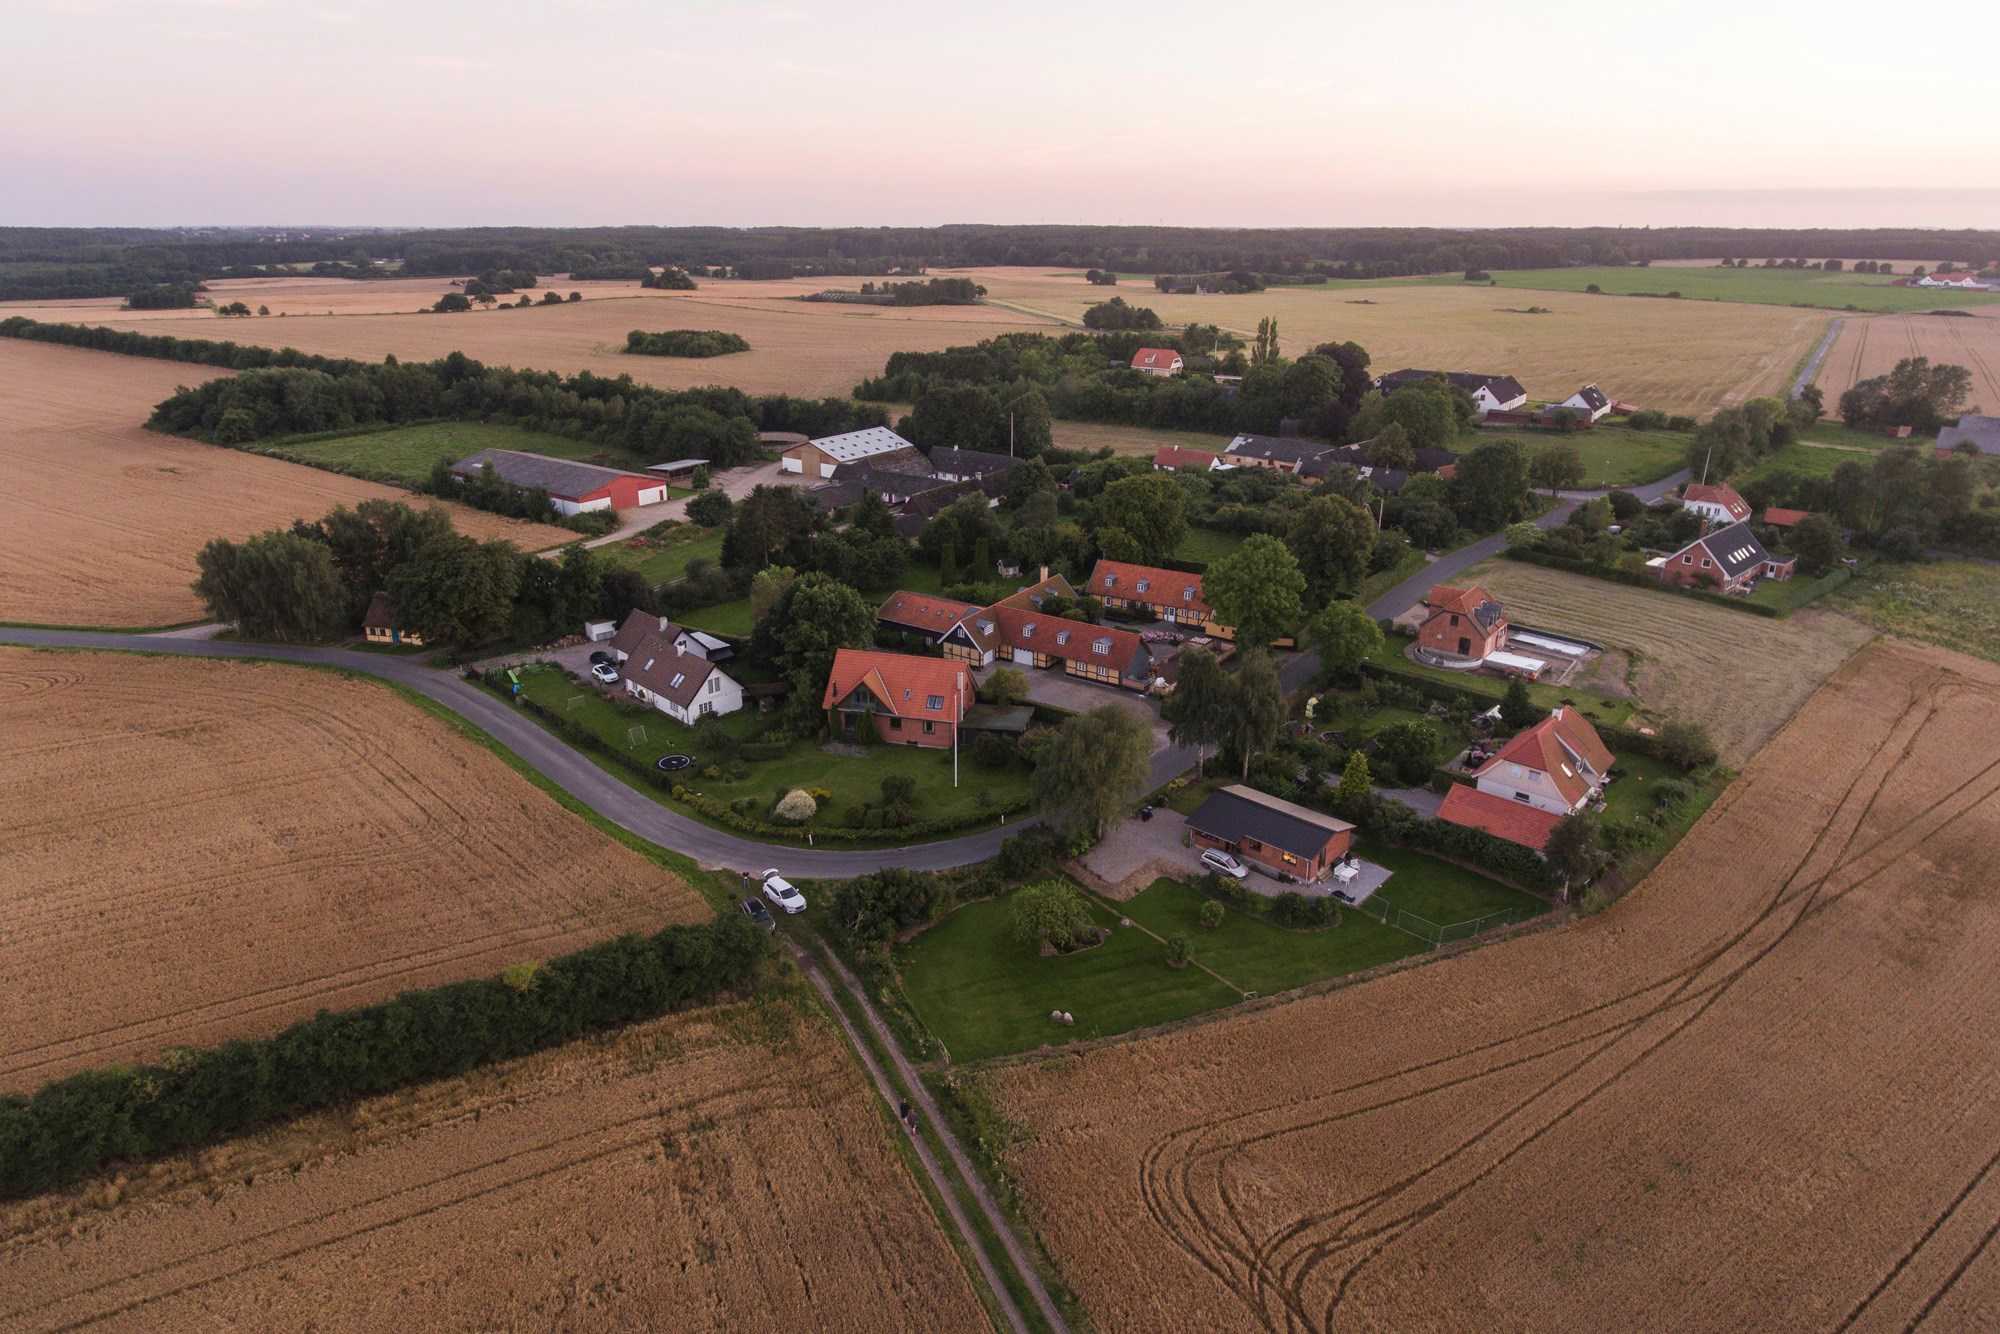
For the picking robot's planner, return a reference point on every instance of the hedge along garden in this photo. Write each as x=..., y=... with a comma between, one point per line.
x=741, y=770
x=192, y=1097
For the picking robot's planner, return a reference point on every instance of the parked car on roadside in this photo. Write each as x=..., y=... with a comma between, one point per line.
x=780, y=891
x=605, y=673
x=755, y=910
x=1217, y=860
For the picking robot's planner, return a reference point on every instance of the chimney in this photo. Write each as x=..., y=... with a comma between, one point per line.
x=1044, y=576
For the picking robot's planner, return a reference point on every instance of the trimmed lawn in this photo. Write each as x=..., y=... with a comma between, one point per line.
x=1630, y=795
x=410, y=452
x=851, y=779
x=1206, y=545
x=663, y=553
x=1260, y=957
x=984, y=994
x=1788, y=595
x=1757, y=286
x=724, y=618
x=1612, y=455
x=1602, y=710
x=1441, y=891
x=1807, y=459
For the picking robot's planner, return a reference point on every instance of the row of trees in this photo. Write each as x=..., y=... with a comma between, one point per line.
x=1916, y=394
x=1116, y=314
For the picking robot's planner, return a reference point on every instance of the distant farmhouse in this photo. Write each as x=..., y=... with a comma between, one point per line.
x=1157, y=361
x=574, y=488
x=380, y=625
x=882, y=447
x=1173, y=458
x=1280, y=453
x=1982, y=433
x=1589, y=399
x=1719, y=504
x=1957, y=282
x=1490, y=393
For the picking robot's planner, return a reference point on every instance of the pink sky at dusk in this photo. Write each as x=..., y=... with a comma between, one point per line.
x=154, y=112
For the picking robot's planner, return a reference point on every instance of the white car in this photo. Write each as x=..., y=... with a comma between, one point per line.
x=605, y=673
x=1216, y=860
x=779, y=891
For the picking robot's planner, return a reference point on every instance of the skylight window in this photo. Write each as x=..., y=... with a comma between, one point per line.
x=675, y=684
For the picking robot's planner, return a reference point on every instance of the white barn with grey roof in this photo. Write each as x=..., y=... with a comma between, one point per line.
x=817, y=459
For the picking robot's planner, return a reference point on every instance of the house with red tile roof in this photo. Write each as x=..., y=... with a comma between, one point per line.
x=1158, y=361
x=1726, y=560
x=1466, y=624
x=1172, y=595
x=1555, y=766
x=922, y=613
x=906, y=699
x=1718, y=503
x=1512, y=820
x=1173, y=458
x=1784, y=518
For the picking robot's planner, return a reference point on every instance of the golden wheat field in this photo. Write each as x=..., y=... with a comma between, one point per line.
x=1671, y=355
x=202, y=850
x=725, y=1169
x=100, y=519
x=796, y=347
x=1683, y=651
x=289, y=297
x=1872, y=345
x=1759, y=1093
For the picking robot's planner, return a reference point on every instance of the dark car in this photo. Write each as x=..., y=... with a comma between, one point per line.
x=601, y=656
x=755, y=910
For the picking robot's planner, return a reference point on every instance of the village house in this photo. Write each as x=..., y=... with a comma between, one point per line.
x=905, y=699
x=1273, y=835
x=969, y=465
x=683, y=685
x=379, y=626
x=1157, y=361
x=1280, y=453
x=1717, y=503
x=1465, y=624
x=1589, y=400
x=1776, y=517
x=1544, y=773
x=923, y=614
x=878, y=445
x=1981, y=433
x=1726, y=559
x=1489, y=393
x=573, y=488
x=1171, y=595
x=1173, y=458
x=1958, y=282
x=639, y=626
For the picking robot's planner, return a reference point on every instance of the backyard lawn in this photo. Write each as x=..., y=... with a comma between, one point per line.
x=663, y=553
x=409, y=452
x=852, y=779
x=1612, y=455
x=724, y=618
x=1206, y=545
x=982, y=993
x=1441, y=891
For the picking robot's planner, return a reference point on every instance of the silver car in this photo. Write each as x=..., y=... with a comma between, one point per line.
x=780, y=891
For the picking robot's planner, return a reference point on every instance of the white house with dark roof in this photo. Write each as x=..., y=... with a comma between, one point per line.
x=684, y=686
x=1589, y=399
x=1489, y=393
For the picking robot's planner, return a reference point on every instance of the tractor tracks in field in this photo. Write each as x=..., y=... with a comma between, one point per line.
x=1272, y=1276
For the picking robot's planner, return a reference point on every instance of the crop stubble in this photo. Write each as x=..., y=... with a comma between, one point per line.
x=1872, y=345
x=205, y=850
x=100, y=519
x=1740, y=675
x=1758, y=1093
x=723, y=1169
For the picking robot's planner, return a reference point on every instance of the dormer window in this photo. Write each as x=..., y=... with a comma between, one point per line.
x=1187, y=595
x=1110, y=580
x=1062, y=636
x=1101, y=646
x=1144, y=584
x=1028, y=630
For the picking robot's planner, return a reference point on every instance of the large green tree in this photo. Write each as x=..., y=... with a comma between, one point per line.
x=1556, y=468
x=772, y=523
x=1152, y=508
x=1093, y=770
x=457, y=591
x=1199, y=710
x=1491, y=488
x=276, y=585
x=1343, y=634
x=1332, y=539
x=1257, y=589
x=1258, y=707
x=812, y=620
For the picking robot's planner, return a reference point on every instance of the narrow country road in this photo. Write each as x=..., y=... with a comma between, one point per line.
x=1818, y=358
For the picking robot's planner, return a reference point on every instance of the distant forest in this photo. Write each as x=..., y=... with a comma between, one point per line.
x=46, y=262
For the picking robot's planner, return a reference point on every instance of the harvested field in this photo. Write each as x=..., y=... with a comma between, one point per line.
x=1759, y=1093
x=100, y=519
x=1683, y=650
x=1872, y=346
x=206, y=850
x=292, y=297
x=796, y=347
x=1674, y=355
x=724, y=1169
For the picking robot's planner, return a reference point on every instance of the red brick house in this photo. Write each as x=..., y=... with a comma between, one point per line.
x=908, y=700
x=1726, y=561
x=1464, y=623
x=1273, y=835
x=1172, y=595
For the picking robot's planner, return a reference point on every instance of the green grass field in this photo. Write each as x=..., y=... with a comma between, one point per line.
x=851, y=779
x=663, y=555
x=724, y=618
x=1953, y=603
x=984, y=994
x=410, y=452
x=1755, y=286
x=1206, y=545
x=1442, y=892
x=1612, y=455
